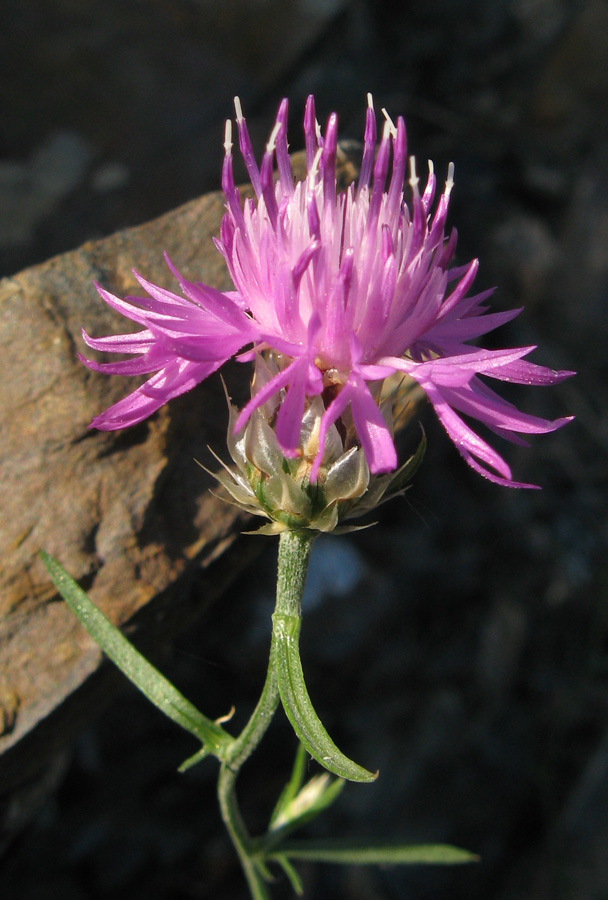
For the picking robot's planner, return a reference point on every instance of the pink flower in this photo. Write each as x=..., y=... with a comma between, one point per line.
x=343, y=290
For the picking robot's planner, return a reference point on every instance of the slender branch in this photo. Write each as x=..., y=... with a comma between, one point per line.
x=294, y=555
x=238, y=832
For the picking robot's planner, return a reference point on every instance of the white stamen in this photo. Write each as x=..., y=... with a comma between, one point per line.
x=318, y=131
x=228, y=137
x=391, y=124
x=431, y=167
x=450, y=180
x=370, y=101
x=271, y=145
x=238, y=109
x=312, y=172
x=413, y=177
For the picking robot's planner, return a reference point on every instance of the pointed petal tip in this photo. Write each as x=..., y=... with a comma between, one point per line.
x=497, y=479
x=103, y=293
x=559, y=423
x=314, y=472
x=100, y=423
x=173, y=268
x=241, y=420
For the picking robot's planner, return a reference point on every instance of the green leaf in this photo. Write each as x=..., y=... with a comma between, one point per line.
x=136, y=667
x=294, y=878
x=367, y=852
x=299, y=708
x=197, y=757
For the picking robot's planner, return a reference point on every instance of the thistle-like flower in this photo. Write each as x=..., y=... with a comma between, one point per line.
x=342, y=290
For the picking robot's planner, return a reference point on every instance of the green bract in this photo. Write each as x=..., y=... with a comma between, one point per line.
x=266, y=483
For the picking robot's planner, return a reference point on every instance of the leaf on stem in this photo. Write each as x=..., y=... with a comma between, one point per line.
x=290, y=871
x=136, y=667
x=298, y=705
x=368, y=852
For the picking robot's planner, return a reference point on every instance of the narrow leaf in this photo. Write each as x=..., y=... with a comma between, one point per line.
x=136, y=667
x=294, y=878
x=197, y=757
x=298, y=705
x=366, y=852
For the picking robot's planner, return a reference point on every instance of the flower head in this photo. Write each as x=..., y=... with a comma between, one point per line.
x=342, y=290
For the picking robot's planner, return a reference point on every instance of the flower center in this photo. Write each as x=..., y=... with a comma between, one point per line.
x=333, y=377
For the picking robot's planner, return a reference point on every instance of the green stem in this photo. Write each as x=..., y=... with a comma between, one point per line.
x=294, y=555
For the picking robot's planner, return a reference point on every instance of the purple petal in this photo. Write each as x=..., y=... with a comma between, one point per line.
x=121, y=306
x=468, y=328
x=337, y=325
x=289, y=420
x=199, y=348
x=333, y=412
x=280, y=380
x=328, y=161
x=462, y=287
x=469, y=444
x=138, y=342
x=310, y=131
x=157, y=293
x=247, y=149
x=172, y=381
x=132, y=409
x=496, y=479
x=523, y=372
x=492, y=410
x=150, y=362
x=372, y=430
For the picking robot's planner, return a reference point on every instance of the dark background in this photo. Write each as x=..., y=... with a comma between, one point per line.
x=461, y=646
